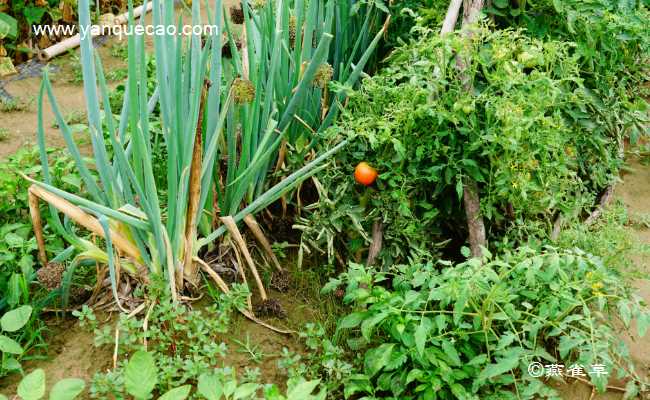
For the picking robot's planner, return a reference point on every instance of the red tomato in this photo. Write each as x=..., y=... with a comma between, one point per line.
x=365, y=174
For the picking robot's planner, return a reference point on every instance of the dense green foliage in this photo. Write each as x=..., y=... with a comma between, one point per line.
x=18, y=17
x=542, y=133
x=470, y=330
x=535, y=105
x=18, y=264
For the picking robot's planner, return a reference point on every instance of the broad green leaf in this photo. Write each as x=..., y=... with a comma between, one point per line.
x=624, y=311
x=499, y=368
x=3, y=397
x=209, y=387
x=377, y=358
x=8, y=26
x=15, y=319
x=179, y=393
x=642, y=324
x=352, y=321
x=421, y=334
x=33, y=15
x=246, y=391
x=8, y=345
x=32, y=387
x=11, y=364
x=368, y=324
x=567, y=344
x=140, y=375
x=450, y=351
x=67, y=389
x=303, y=390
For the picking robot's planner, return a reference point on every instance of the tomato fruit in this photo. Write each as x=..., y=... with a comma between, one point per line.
x=365, y=174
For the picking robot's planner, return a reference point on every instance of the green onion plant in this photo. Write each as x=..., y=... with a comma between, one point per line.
x=222, y=120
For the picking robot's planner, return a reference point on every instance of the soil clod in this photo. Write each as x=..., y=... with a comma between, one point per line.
x=50, y=276
x=270, y=308
x=281, y=281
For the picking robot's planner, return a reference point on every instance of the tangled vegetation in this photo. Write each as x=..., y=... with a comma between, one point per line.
x=360, y=125
x=538, y=133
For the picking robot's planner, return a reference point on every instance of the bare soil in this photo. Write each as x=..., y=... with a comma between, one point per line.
x=21, y=125
x=72, y=353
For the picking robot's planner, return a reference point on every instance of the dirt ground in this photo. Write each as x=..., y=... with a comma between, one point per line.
x=20, y=125
x=72, y=353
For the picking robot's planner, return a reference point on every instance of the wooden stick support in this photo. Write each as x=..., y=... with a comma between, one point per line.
x=452, y=16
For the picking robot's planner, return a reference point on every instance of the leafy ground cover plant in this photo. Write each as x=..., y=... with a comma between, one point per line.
x=32, y=387
x=10, y=323
x=18, y=267
x=470, y=330
x=178, y=352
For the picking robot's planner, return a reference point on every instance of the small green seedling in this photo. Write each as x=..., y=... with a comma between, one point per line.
x=32, y=387
x=12, y=321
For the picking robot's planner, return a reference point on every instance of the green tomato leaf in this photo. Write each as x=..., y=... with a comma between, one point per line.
x=179, y=393
x=642, y=324
x=624, y=311
x=209, y=387
x=368, y=324
x=140, y=375
x=451, y=352
x=67, y=389
x=32, y=387
x=499, y=368
x=377, y=358
x=421, y=334
x=15, y=319
x=352, y=321
x=8, y=345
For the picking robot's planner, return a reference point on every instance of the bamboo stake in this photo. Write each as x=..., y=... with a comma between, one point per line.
x=261, y=238
x=376, y=245
x=230, y=224
x=87, y=221
x=471, y=199
x=452, y=16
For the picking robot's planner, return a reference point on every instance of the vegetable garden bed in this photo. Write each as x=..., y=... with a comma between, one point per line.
x=447, y=170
